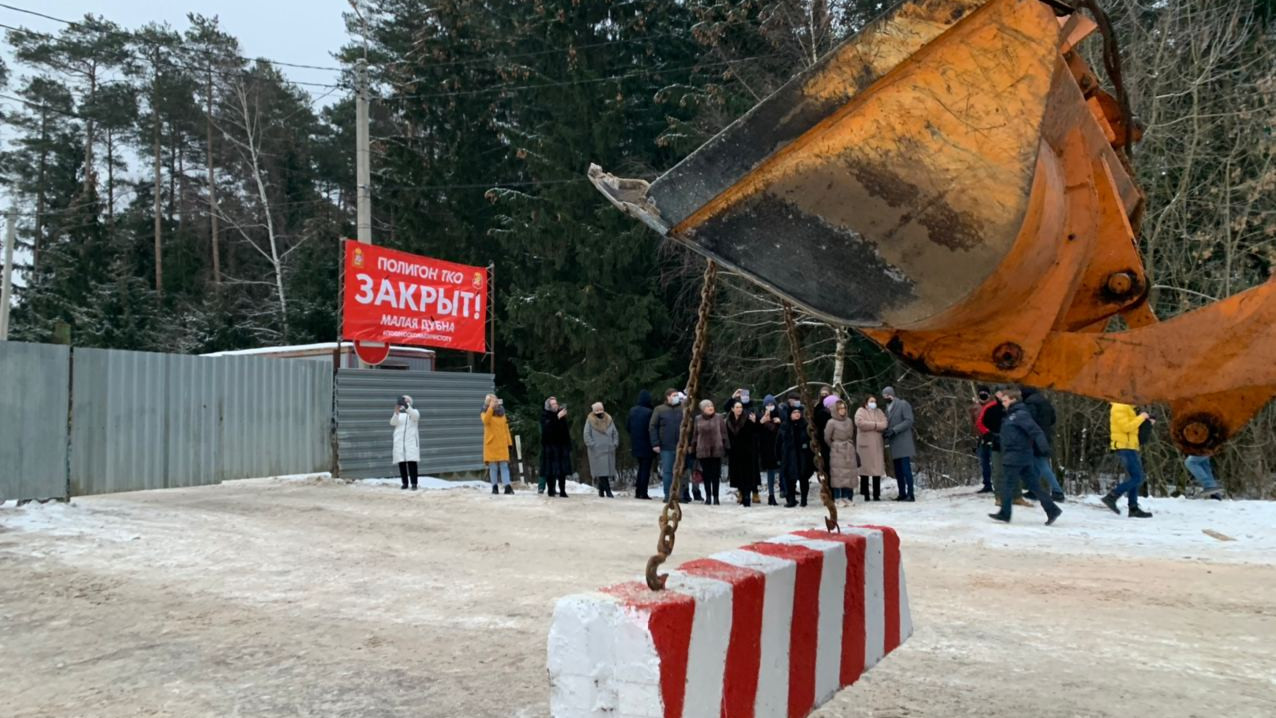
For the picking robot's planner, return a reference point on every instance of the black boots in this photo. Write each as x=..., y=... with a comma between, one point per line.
x=1110, y=501
x=604, y=487
x=495, y=489
x=509, y=489
x=695, y=492
x=1138, y=513
x=770, y=501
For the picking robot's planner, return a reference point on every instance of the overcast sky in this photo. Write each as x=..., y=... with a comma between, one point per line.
x=299, y=31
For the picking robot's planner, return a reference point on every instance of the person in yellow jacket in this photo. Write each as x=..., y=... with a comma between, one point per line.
x=496, y=443
x=1124, y=425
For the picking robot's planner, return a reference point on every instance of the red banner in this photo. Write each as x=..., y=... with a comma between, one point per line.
x=400, y=298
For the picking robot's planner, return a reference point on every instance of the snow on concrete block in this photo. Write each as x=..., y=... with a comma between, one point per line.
x=769, y=630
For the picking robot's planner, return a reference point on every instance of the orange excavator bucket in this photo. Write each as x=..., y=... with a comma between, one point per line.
x=951, y=181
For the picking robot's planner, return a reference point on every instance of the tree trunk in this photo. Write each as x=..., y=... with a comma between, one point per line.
x=839, y=356
x=212, y=189
x=40, y=201
x=159, y=227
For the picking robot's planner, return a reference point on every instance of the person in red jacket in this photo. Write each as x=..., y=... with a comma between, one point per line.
x=988, y=427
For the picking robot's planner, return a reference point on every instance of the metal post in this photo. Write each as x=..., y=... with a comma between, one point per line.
x=363, y=171
x=6, y=294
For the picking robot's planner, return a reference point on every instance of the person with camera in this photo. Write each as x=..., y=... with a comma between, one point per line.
x=407, y=443
x=556, y=447
x=496, y=442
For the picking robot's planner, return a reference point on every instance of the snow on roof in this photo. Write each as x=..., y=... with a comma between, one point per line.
x=306, y=349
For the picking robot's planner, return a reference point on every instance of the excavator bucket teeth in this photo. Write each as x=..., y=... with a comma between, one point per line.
x=885, y=183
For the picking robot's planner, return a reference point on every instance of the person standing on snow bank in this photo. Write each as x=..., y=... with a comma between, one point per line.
x=556, y=447
x=666, y=422
x=710, y=443
x=639, y=424
x=1124, y=427
x=407, y=440
x=601, y=440
x=1022, y=443
x=870, y=448
x=900, y=438
x=496, y=442
x=797, y=457
x=1203, y=471
x=839, y=436
x=768, y=445
x=742, y=454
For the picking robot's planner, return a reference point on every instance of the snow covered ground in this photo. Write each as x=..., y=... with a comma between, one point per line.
x=311, y=596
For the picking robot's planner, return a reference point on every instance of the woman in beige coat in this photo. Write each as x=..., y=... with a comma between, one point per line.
x=870, y=422
x=839, y=436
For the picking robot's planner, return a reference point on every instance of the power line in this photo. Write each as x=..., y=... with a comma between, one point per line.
x=245, y=58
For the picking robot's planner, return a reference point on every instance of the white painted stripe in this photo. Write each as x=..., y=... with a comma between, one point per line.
x=777, y=627
x=905, y=614
x=828, y=651
x=874, y=595
x=710, y=634
x=602, y=660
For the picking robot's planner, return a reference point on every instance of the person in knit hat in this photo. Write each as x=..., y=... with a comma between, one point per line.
x=901, y=441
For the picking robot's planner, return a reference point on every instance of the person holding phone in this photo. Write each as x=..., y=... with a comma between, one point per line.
x=406, y=440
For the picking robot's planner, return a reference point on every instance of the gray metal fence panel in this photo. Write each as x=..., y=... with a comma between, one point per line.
x=34, y=385
x=451, y=431
x=150, y=421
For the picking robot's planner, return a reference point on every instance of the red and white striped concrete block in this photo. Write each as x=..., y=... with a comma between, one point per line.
x=769, y=630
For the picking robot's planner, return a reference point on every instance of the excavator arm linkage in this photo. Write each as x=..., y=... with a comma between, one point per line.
x=950, y=183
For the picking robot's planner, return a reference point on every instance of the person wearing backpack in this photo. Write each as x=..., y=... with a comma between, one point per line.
x=1127, y=436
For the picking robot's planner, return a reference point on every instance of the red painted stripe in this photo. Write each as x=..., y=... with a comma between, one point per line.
x=804, y=632
x=890, y=581
x=669, y=621
x=853, y=622
x=744, y=652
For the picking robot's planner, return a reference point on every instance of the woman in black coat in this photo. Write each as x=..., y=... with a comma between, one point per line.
x=742, y=454
x=796, y=460
x=769, y=422
x=556, y=447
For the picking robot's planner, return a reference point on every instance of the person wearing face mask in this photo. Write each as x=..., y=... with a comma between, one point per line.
x=496, y=442
x=556, y=447
x=870, y=448
x=662, y=432
x=900, y=438
x=601, y=440
x=768, y=434
x=711, y=442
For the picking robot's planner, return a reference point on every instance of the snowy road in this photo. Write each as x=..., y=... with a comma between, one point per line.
x=315, y=598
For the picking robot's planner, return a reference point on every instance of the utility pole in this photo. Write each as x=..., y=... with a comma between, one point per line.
x=6, y=295
x=363, y=174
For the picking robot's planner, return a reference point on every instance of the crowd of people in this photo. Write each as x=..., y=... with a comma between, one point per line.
x=772, y=446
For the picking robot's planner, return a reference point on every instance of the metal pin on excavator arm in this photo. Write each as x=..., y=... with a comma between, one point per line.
x=950, y=182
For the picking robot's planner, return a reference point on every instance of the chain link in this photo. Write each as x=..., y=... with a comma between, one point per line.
x=826, y=490
x=671, y=514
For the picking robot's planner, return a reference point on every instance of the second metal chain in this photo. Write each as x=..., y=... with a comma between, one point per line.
x=671, y=514
x=826, y=490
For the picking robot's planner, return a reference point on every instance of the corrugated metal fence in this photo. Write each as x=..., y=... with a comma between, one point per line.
x=153, y=421
x=149, y=421
x=34, y=381
x=451, y=432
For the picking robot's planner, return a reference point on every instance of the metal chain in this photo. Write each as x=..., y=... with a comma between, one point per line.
x=826, y=491
x=671, y=514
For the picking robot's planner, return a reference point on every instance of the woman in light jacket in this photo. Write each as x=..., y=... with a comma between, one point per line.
x=407, y=441
x=601, y=440
x=870, y=448
x=839, y=436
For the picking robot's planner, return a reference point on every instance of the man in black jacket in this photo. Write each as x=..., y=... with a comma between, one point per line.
x=1022, y=442
x=1043, y=413
x=639, y=426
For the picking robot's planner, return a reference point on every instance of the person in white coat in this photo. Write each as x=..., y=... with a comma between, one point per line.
x=407, y=442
